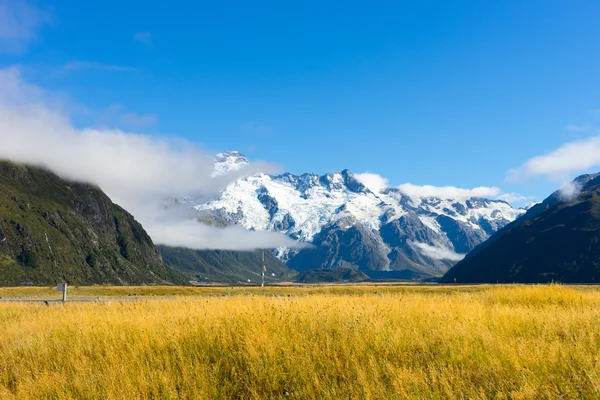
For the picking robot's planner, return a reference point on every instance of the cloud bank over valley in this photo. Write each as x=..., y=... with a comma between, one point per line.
x=137, y=171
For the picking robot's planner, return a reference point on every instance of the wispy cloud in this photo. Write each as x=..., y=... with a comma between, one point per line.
x=82, y=65
x=138, y=121
x=516, y=198
x=20, y=23
x=448, y=192
x=438, y=252
x=143, y=37
x=115, y=116
x=570, y=191
x=137, y=171
x=191, y=234
x=375, y=182
x=575, y=128
x=558, y=165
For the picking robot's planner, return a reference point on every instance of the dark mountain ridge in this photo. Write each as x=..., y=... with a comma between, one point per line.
x=556, y=240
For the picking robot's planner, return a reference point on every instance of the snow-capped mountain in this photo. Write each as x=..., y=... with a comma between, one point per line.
x=228, y=162
x=353, y=226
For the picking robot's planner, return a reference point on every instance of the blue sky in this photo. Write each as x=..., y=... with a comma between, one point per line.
x=427, y=92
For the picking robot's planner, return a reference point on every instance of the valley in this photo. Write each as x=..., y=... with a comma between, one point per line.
x=299, y=200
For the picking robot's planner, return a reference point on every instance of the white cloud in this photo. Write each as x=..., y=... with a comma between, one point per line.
x=576, y=128
x=116, y=116
x=136, y=171
x=76, y=65
x=143, y=37
x=515, y=198
x=13, y=88
x=19, y=24
x=576, y=156
x=375, y=182
x=191, y=234
x=570, y=191
x=137, y=121
x=438, y=252
x=378, y=183
x=447, y=192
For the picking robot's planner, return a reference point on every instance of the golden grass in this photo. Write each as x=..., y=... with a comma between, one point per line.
x=361, y=343
x=92, y=292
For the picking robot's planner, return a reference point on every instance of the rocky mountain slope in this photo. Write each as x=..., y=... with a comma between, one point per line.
x=52, y=230
x=353, y=226
x=556, y=240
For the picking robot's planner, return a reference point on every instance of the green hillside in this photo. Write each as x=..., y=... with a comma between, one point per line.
x=53, y=230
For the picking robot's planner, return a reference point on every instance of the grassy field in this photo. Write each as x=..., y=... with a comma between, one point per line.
x=145, y=292
x=339, y=342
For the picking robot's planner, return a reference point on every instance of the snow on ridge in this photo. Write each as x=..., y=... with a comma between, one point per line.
x=302, y=205
x=228, y=161
x=431, y=223
x=312, y=204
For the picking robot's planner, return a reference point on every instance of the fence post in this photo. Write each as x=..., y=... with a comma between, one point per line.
x=63, y=287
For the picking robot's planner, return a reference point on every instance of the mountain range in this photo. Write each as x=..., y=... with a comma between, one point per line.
x=382, y=233
x=54, y=230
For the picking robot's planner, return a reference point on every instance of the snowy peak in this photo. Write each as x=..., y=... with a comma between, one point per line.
x=338, y=181
x=351, y=225
x=229, y=161
x=301, y=205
